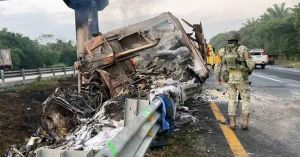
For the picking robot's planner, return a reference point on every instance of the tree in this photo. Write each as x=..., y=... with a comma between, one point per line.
x=296, y=13
x=17, y=57
x=219, y=40
x=277, y=31
x=278, y=11
x=248, y=36
x=46, y=38
x=27, y=53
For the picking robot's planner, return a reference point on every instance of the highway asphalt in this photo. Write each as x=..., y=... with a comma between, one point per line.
x=275, y=112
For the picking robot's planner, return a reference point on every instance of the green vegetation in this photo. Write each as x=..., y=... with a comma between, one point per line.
x=27, y=53
x=37, y=85
x=289, y=64
x=277, y=31
x=219, y=40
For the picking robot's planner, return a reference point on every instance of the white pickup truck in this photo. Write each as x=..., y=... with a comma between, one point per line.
x=260, y=57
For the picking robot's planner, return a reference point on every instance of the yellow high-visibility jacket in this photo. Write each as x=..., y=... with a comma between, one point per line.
x=211, y=55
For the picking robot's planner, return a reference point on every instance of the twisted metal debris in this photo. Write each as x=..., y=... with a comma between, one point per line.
x=124, y=63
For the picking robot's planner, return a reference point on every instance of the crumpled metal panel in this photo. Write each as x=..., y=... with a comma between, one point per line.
x=115, y=51
x=164, y=27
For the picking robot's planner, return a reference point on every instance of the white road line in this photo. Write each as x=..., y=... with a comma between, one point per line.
x=294, y=70
x=267, y=78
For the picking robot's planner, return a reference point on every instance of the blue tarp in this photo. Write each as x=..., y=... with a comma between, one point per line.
x=166, y=107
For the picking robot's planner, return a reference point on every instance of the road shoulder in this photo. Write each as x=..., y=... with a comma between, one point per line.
x=198, y=135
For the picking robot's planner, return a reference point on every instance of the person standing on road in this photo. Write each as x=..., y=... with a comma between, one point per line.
x=238, y=65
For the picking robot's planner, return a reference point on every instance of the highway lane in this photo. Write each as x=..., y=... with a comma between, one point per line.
x=275, y=112
x=283, y=82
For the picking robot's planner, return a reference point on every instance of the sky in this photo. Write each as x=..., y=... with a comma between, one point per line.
x=35, y=17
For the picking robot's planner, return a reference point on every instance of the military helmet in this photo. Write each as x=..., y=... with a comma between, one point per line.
x=233, y=35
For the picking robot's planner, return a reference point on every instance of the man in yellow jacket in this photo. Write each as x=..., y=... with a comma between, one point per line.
x=210, y=55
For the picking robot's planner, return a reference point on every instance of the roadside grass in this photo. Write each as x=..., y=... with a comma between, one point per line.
x=37, y=85
x=289, y=64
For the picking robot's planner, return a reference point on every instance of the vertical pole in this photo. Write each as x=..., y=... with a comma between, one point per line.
x=23, y=75
x=2, y=78
x=82, y=33
x=65, y=70
x=74, y=71
x=40, y=73
x=79, y=81
x=86, y=19
x=53, y=71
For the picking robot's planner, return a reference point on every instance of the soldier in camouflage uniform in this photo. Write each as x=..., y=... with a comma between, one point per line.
x=238, y=65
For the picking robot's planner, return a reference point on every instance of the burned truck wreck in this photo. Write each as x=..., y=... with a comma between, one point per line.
x=129, y=62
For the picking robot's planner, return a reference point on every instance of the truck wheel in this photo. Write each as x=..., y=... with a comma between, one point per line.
x=263, y=66
x=6, y=69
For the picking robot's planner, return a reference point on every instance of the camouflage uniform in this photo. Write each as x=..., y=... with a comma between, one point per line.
x=238, y=65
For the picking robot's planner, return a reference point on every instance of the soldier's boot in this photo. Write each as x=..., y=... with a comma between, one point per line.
x=245, y=124
x=232, y=123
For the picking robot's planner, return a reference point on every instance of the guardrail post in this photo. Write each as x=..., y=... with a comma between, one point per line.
x=40, y=73
x=65, y=70
x=23, y=75
x=53, y=71
x=2, y=77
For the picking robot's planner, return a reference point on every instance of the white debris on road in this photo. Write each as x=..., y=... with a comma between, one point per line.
x=216, y=95
x=187, y=118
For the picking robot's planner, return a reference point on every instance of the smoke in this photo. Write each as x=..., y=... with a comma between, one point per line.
x=136, y=8
x=124, y=12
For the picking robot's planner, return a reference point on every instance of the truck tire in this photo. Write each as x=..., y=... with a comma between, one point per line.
x=263, y=66
x=6, y=69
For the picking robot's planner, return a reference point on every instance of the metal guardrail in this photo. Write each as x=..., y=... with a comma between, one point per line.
x=135, y=138
x=137, y=135
x=23, y=73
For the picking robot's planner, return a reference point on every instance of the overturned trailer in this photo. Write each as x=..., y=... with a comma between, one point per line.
x=138, y=61
x=147, y=40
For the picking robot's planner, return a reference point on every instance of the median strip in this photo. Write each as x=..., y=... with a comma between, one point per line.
x=235, y=145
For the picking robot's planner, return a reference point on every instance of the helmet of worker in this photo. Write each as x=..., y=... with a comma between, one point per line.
x=233, y=36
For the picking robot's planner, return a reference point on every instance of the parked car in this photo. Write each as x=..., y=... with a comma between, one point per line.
x=260, y=57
